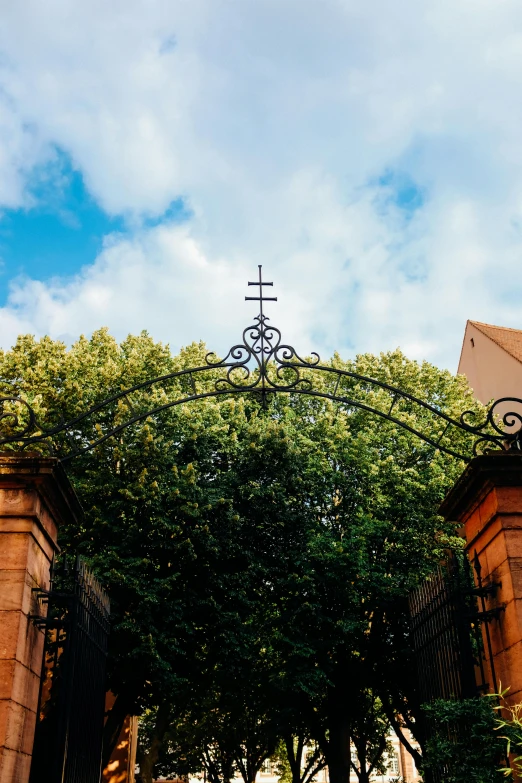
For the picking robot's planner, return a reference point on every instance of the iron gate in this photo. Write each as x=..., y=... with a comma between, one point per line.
x=445, y=633
x=446, y=636
x=68, y=737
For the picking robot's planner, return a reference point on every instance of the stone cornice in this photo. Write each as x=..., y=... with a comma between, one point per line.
x=500, y=469
x=47, y=477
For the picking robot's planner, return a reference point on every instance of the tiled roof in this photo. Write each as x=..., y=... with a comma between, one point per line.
x=508, y=339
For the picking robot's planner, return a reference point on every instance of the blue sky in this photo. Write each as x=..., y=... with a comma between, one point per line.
x=369, y=155
x=61, y=228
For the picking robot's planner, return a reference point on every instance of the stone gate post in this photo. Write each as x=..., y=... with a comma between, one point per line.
x=487, y=502
x=35, y=498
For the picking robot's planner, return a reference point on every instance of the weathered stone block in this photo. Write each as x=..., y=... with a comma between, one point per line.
x=493, y=549
x=15, y=766
x=13, y=590
x=18, y=683
x=17, y=726
x=508, y=499
x=14, y=551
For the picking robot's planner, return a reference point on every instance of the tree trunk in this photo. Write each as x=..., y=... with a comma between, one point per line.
x=338, y=750
x=414, y=753
x=211, y=767
x=220, y=766
x=227, y=767
x=295, y=756
x=363, y=775
x=148, y=760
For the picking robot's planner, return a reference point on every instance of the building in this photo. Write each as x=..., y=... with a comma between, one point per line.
x=491, y=360
x=400, y=766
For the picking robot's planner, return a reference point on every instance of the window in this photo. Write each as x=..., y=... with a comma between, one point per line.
x=393, y=763
x=266, y=767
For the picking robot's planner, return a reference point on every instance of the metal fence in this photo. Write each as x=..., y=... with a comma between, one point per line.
x=68, y=737
x=447, y=642
x=445, y=632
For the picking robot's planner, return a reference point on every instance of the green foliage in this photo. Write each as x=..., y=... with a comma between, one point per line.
x=509, y=722
x=463, y=741
x=282, y=764
x=254, y=557
x=299, y=759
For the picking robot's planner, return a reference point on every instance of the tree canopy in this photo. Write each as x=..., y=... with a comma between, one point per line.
x=255, y=556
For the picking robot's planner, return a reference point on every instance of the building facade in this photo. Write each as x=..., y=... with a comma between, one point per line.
x=399, y=762
x=491, y=360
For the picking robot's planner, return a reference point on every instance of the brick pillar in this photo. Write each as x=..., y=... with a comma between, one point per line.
x=35, y=497
x=487, y=502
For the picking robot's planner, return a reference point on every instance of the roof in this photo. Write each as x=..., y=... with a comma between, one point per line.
x=508, y=339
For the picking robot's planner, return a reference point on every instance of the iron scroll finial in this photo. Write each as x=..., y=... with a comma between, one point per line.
x=262, y=362
x=262, y=322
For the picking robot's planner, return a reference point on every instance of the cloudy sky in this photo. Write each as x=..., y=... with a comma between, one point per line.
x=368, y=153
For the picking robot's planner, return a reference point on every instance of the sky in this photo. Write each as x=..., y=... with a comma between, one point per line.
x=367, y=153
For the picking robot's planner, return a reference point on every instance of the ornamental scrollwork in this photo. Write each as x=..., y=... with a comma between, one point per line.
x=261, y=362
x=19, y=424
x=501, y=429
x=264, y=365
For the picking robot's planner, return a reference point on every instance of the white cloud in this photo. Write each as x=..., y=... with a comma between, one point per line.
x=275, y=120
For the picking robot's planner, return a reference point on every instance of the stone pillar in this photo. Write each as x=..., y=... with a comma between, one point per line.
x=35, y=497
x=487, y=502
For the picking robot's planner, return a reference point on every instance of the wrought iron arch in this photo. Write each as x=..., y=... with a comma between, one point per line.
x=264, y=365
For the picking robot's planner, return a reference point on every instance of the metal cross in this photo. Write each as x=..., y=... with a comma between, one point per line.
x=260, y=298
x=262, y=330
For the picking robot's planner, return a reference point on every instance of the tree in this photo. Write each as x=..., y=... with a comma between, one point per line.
x=236, y=538
x=298, y=759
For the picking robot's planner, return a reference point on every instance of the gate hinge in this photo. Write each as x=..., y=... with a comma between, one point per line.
x=46, y=622
x=490, y=614
x=486, y=590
